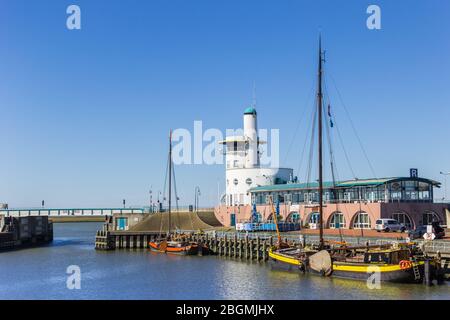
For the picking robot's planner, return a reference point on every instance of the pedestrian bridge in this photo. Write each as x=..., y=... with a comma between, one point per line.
x=55, y=212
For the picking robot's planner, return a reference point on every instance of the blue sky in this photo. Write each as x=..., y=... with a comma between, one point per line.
x=85, y=113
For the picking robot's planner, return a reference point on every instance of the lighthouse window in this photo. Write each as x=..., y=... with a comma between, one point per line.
x=248, y=181
x=235, y=181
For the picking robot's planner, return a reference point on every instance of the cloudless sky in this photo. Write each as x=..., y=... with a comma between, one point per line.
x=85, y=114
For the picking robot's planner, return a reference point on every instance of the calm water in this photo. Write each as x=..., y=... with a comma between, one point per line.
x=40, y=273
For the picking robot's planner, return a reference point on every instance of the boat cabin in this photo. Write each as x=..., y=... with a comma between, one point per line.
x=386, y=256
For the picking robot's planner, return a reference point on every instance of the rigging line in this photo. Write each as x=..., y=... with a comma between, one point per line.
x=335, y=191
x=333, y=173
x=306, y=141
x=330, y=147
x=164, y=195
x=346, y=209
x=299, y=122
x=176, y=195
x=165, y=185
x=329, y=120
x=341, y=141
x=311, y=150
x=337, y=218
x=165, y=178
x=176, y=200
x=352, y=125
x=345, y=150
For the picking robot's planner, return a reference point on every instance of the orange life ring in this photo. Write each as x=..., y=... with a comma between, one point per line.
x=405, y=264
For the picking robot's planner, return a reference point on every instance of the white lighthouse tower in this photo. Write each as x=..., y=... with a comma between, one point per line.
x=251, y=135
x=243, y=165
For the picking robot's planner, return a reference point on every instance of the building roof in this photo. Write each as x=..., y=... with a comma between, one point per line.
x=339, y=184
x=250, y=110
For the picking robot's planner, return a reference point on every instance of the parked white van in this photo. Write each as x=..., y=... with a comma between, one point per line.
x=388, y=225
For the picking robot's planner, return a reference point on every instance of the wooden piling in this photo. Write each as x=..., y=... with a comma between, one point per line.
x=145, y=244
x=117, y=240
x=257, y=248
x=235, y=246
x=264, y=250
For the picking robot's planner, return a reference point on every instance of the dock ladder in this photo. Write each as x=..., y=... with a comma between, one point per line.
x=415, y=267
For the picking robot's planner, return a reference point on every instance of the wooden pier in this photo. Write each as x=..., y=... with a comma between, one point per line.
x=249, y=248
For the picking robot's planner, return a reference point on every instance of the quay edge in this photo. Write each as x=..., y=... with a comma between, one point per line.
x=20, y=232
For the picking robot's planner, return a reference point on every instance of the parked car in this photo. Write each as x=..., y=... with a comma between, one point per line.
x=388, y=225
x=418, y=233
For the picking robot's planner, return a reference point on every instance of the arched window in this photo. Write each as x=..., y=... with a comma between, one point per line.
x=361, y=221
x=403, y=218
x=429, y=217
x=337, y=220
x=314, y=217
x=293, y=217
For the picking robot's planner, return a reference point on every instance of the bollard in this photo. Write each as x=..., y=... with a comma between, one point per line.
x=145, y=241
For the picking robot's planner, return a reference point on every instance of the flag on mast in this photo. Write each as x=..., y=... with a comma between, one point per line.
x=329, y=115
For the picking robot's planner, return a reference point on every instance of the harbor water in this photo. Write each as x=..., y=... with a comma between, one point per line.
x=41, y=273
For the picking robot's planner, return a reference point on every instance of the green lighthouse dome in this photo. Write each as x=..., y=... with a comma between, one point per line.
x=250, y=110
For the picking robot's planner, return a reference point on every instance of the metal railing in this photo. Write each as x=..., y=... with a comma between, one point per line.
x=68, y=212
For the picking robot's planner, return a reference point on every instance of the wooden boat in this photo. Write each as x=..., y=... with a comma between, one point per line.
x=390, y=262
x=174, y=247
x=174, y=244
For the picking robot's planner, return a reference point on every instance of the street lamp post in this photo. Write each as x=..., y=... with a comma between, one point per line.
x=197, y=194
x=151, y=202
x=445, y=174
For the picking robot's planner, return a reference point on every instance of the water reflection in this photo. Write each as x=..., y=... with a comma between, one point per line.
x=40, y=273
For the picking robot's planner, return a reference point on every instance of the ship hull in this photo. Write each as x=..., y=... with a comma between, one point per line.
x=386, y=272
x=191, y=249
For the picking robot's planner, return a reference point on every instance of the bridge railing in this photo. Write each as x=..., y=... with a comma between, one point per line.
x=69, y=212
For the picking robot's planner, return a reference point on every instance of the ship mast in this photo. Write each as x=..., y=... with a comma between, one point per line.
x=319, y=110
x=170, y=178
